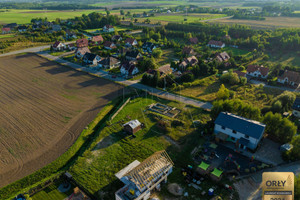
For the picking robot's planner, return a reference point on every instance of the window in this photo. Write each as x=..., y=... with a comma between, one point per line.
x=223, y=127
x=246, y=136
x=233, y=131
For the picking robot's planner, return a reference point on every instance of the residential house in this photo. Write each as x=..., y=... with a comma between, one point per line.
x=5, y=30
x=71, y=47
x=70, y=35
x=148, y=47
x=188, y=51
x=239, y=73
x=190, y=61
x=257, y=71
x=128, y=68
x=80, y=52
x=22, y=29
x=58, y=46
x=108, y=28
x=165, y=70
x=116, y=38
x=12, y=25
x=216, y=44
x=109, y=45
x=129, y=42
x=289, y=77
x=222, y=57
x=96, y=40
x=194, y=40
x=245, y=133
x=56, y=27
x=80, y=43
x=132, y=127
x=109, y=63
x=133, y=55
x=140, y=179
x=296, y=107
x=91, y=59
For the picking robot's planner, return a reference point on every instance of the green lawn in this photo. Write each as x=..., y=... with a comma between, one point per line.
x=113, y=150
x=25, y=16
x=117, y=28
x=236, y=52
x=51, y=193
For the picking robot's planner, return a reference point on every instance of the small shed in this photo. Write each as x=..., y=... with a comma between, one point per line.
x=216, y=175
x=133, y=126
x=203, y=168
x=286, y=147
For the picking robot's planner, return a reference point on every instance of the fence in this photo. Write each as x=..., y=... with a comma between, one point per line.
x=122, y=106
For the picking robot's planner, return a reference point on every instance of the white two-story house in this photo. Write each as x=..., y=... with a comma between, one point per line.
x=245, y=133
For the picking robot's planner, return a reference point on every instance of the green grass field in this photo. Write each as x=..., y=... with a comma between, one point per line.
x=25, y=16
x=190, y=17
x=7, y=36
x=113, y=150
x=51, y=193
x=117, y=28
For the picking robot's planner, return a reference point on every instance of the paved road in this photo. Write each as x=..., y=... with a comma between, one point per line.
x=30, y=50
x=134, y=84
x=256, y=82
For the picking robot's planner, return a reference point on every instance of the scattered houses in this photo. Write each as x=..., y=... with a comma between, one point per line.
x=132, y=126
x=128, y=68
x=109, y=63
x=188, y=51
x=148, y=47
x=257, y=71
x=91, y=59
x=6, y=30
x=289, y=77
x=245, y=133
x=194, y=40
x=22, y=29
x=140, y=179
x=296, y=108
x=216, y=44
x=109, y=45
x=108, y=28
x=116, y=38
x=129, y=42
x=80, y=52
x=96, y=40
x=58, y=46
x=133, y=55
x=190, y=61
x=80, y=43
x=222, y=57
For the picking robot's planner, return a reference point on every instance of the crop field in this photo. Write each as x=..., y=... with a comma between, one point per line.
x=25, y=16
x=270, y=22
x=190, y=18
x=7, y=36
x=44, y=107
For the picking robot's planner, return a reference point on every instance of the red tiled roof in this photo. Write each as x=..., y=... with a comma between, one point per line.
x=83, y=50
x=194, y=40
x=98, y=38
x=216, y=43
x=239, y=73
x=221, y=57
x=108, y=44
x=291, y=75
x=5, y=29
x=263, y=70
x=82, y=43
x=165, y=69
x=55, y=45
x=108, y=26
x=129, y=40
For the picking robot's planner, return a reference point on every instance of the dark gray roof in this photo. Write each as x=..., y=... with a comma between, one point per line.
x=248, y=127
x=296, y=105
x=90, y=56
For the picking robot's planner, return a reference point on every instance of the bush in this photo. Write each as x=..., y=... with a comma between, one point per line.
x=230, y=78
x=247, y=170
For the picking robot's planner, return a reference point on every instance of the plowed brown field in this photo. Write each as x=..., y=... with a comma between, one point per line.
x=43, y=109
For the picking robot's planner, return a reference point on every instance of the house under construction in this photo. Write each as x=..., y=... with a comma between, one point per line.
x=141, y=178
